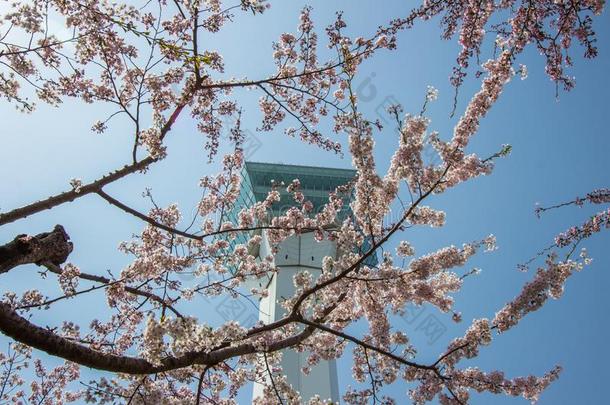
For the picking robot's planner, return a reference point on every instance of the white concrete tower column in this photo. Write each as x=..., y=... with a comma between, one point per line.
x=296, y=254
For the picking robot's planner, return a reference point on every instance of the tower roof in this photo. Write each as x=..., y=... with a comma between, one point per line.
x=316, y=182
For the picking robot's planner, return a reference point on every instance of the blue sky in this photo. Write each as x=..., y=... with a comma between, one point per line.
x=560, y=150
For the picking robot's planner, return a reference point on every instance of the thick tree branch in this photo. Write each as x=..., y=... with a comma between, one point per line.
x=69, y=196
x=22, y=330
x=50, y=249
x=53, y=247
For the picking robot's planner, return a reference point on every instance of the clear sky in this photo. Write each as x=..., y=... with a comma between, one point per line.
x=560, y=150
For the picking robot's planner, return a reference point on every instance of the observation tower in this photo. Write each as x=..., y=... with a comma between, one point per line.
x=296, y=254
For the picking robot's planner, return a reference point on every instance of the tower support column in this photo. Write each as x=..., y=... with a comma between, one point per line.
x=297, y=254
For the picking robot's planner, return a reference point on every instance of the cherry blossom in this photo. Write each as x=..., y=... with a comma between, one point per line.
x=149, y=64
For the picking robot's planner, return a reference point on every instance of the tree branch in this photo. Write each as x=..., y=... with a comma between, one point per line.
x=22, y=330
x=364, y=344
x=107, y=282
x=94, y=186
x=72, y=195
x=53, y=247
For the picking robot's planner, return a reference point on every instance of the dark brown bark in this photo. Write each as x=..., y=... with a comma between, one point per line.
x=53, y=247
x=22, y=330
